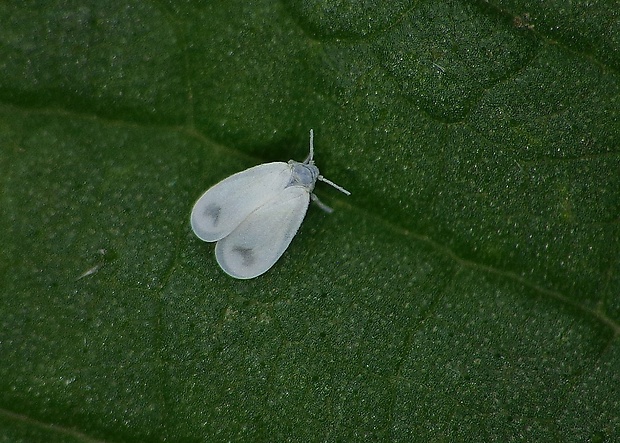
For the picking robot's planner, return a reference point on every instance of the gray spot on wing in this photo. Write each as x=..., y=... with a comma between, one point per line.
x=212, y=212
x=247, y=255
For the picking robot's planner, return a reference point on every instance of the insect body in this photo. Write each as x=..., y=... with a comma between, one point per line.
x=254, y=214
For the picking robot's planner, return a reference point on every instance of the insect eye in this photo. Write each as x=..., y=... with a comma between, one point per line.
x=304, y=175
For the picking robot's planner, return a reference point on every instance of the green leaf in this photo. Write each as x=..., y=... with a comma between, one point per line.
x=467, y=290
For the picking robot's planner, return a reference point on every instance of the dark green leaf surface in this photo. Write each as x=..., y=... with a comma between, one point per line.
x=467, y=290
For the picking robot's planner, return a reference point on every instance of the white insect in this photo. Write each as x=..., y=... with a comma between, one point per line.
x=254, y=214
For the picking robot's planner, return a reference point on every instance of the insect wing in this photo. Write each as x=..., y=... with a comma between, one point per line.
x=225, y=205
x=261, y=239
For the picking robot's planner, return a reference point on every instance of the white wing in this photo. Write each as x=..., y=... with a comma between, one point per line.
x=261, y=239
x=225, y=205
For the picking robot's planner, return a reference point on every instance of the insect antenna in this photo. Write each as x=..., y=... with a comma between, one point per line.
x=331, y=183
x=320, y=177
x=309, y=159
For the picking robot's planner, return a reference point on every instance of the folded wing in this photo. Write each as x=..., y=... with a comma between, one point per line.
x=261, y=239
x=224, y=206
